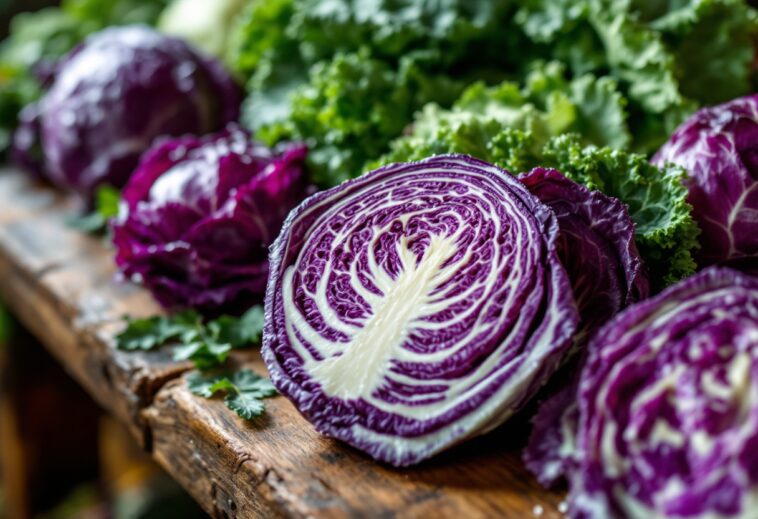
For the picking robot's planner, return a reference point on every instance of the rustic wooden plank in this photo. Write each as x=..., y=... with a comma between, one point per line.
x=280, y=466
x=61, y=286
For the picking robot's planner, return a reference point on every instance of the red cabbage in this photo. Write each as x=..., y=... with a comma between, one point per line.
x=596, y=246
x=417, y=306
x=199, y=214
x=718, y=146
x=668, y=423
x=114, y=94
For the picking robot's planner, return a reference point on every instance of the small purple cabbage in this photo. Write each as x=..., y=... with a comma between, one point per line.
x=419, y=305
x=199, y=214
x=596, y=247
x=113, y=95
x=718, y=146
x=668, y=409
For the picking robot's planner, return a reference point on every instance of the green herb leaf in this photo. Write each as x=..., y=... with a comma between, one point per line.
x=205, y=353
x=244, y=390
x=150, y=332
x=205, y=344
x=241, y=331
x=245, y=405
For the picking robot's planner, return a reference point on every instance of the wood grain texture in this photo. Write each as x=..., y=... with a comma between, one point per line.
x=60, y=284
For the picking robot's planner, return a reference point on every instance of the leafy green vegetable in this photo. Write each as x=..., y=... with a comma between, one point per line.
x=668, y=56
x=348, y=76
x=353, y=105
x=107, y=200
x=151, y=332
x=244, y=390
x=206, y=344
x=99, y=14
x=520, y=129
x=260, y=38
x=665, y=231
x=546, y=106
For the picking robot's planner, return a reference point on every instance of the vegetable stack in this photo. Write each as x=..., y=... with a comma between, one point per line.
x=542, y=206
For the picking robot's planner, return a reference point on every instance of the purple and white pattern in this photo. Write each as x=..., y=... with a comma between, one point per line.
x=718, y=146
x=416, y=306
x=668, y=422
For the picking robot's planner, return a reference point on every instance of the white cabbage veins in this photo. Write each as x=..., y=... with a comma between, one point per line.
x=669, y=406
x=416, y=306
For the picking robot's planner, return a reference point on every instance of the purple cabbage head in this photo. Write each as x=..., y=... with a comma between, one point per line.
x=668, y=416
x=596, y=247
x=113, y=95
x=199, y=214
x=718, y=146
x=417, y=306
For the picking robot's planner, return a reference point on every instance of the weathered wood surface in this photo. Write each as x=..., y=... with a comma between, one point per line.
x=61, y=285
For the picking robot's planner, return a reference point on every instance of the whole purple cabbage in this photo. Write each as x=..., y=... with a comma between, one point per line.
x=719, y=148
x=113, y=95
x=416, y=306
x=199, y=214
x=596, y=247
x=668, y=423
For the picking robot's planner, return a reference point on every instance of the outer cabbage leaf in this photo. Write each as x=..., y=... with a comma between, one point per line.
x=199, y=214
x=596, y=247
x=718, y=147
x=431, y=248
x=114, y=94
x=668, y=421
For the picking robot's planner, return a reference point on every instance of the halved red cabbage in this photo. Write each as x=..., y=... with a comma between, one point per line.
x=417, y=306
x=199, y=214
x=718, y=146
x=596, y=247
x=118, y=91
x=669, y=406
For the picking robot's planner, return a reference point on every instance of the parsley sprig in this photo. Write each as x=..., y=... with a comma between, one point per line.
x=244, y=390
x=207, y=345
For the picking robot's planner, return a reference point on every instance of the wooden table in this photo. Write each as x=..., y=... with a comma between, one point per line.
x=61, y=285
